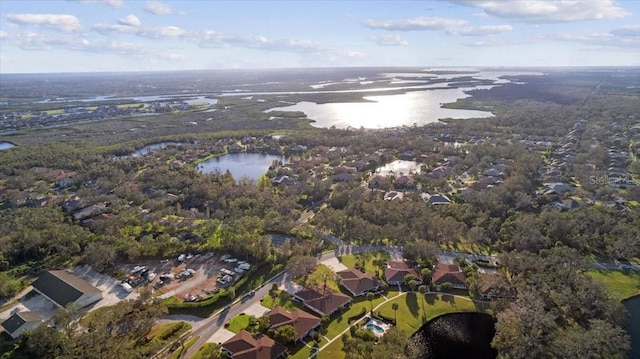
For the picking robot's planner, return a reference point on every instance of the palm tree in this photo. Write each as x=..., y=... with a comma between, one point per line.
x=423, y=290
x=370, y=298
x=395, y=307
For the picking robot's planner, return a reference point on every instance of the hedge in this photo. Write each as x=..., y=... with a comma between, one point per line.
x=357, y=316
x=379, y=315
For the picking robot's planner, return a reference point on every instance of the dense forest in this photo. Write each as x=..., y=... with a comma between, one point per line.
x=160, y=205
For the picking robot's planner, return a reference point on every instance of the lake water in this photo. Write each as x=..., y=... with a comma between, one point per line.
x=633, y=328
x=154, y=146
x=416, y=107
x=251, y=165
x=397, y=167
x=457, y=335
x=6, y=145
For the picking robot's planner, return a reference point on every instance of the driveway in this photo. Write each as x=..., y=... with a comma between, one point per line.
x=256, y=309
x=334, y=264
x=221, y=336
x=112, y=292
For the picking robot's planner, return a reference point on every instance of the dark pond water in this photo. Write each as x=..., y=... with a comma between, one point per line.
x=6, y=145
x=149, y=148
x=251, y=165
x=633, y=327
x=458, y=336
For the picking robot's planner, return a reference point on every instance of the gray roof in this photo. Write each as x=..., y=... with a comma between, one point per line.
x=63, y=287
x=18, y=319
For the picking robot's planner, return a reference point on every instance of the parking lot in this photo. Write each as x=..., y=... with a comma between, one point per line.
x=186, y=277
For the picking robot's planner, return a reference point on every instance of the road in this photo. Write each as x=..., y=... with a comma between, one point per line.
x=212, y=324
x=208, y=326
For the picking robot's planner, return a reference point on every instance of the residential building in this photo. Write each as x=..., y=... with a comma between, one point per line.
x=323, y=301
x=20, y=322
x=301, y=321
x=244, y=345
x=357, y=282
x=397, y=270
x=449, y=273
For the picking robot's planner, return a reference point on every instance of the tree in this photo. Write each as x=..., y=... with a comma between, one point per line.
x=413, y=284
x=300, y=265
x=321, y=275
x=285, y=334
x=446, y=286
x=423, y=291
x=426, y=275
x=370, y=299
x=395, y=307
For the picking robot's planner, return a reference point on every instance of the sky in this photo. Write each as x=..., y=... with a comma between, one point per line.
x=137, y=35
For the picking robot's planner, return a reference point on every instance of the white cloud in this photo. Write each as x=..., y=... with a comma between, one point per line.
x=106, y=29
x=158, y=8
x=627, y=31
x=163, y=32
x=389, y=40
x=113, y=3
x=600, y=40
x=3, y=35
x=210, y=38
x=415, y=24
x=481, y=30
x=66, y=23
x=549, y=11
x=129, y=20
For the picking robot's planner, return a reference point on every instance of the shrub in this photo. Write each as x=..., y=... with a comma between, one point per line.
x=357, y=316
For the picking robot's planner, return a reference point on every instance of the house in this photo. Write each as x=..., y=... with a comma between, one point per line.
x=491, y=288
x=300, y=320
x=62, y=288
x=432, y=199
x=558, y=188
x=357, y=282
x=566, y=204
x=449, y=273
x=343, y=177
x=244, y=345
x=282, y=180
x=397, y=270
x=323, y=301
x=391, y=195
x=21, y=321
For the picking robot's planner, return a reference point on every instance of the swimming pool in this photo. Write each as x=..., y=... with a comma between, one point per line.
x=378, y=327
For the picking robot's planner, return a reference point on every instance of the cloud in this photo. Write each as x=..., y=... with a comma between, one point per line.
x=129, y=20
x=163, y=32
x=627, y=31
x=482, y=30
x=3, y=35
x=35, y=41
x=210, y=38
x=113, y=3
x=548, y=11
x=389, y=40
x=415, y=24
x=158, y=8
x=601, y=40
x=65, y=23
x=105, y=29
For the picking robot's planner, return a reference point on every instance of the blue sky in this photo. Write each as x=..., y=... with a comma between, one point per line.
x=138, y=35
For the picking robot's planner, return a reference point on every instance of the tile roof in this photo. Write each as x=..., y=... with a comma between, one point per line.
x=356, y=281
x=448, y=272
x=244, y=345
x=324, y=301
x=301, y=321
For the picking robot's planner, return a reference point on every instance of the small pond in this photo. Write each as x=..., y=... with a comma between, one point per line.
x=251, y=165
x=633, y=326
x=397, y=167
x=154, y=146
x=6, y=145
x=457, y=335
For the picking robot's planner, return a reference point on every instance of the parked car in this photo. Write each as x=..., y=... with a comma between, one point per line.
x=127, y=287
x=182, y=257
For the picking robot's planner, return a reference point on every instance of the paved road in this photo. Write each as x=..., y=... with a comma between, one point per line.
x=212, y=324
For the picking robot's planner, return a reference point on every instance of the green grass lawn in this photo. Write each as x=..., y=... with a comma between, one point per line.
x=178, y=353
x=410, y=315
x=350, y=260
x=204, y=349
x=301, y=351
x=283, y=300
x=340, y=322
x=238, y=323
x=315, y=278
x=621, y=285
x=333, y=351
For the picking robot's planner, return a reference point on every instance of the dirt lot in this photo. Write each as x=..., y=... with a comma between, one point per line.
x=207, y=271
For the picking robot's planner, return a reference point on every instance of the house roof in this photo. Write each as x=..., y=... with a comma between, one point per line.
x=448, y=272
x=300, y=320
x=356, y=281
x=244, y=345
x=17, y=320
x=63, y=287
x=397, y=270
x=430, y=199
x=323, y=300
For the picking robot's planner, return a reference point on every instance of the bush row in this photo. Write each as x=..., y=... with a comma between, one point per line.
x=357, y=316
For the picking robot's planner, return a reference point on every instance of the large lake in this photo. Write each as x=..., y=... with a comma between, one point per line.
x=252, y=165
x=6, y=145
x=416, y=107
x=633, y=328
